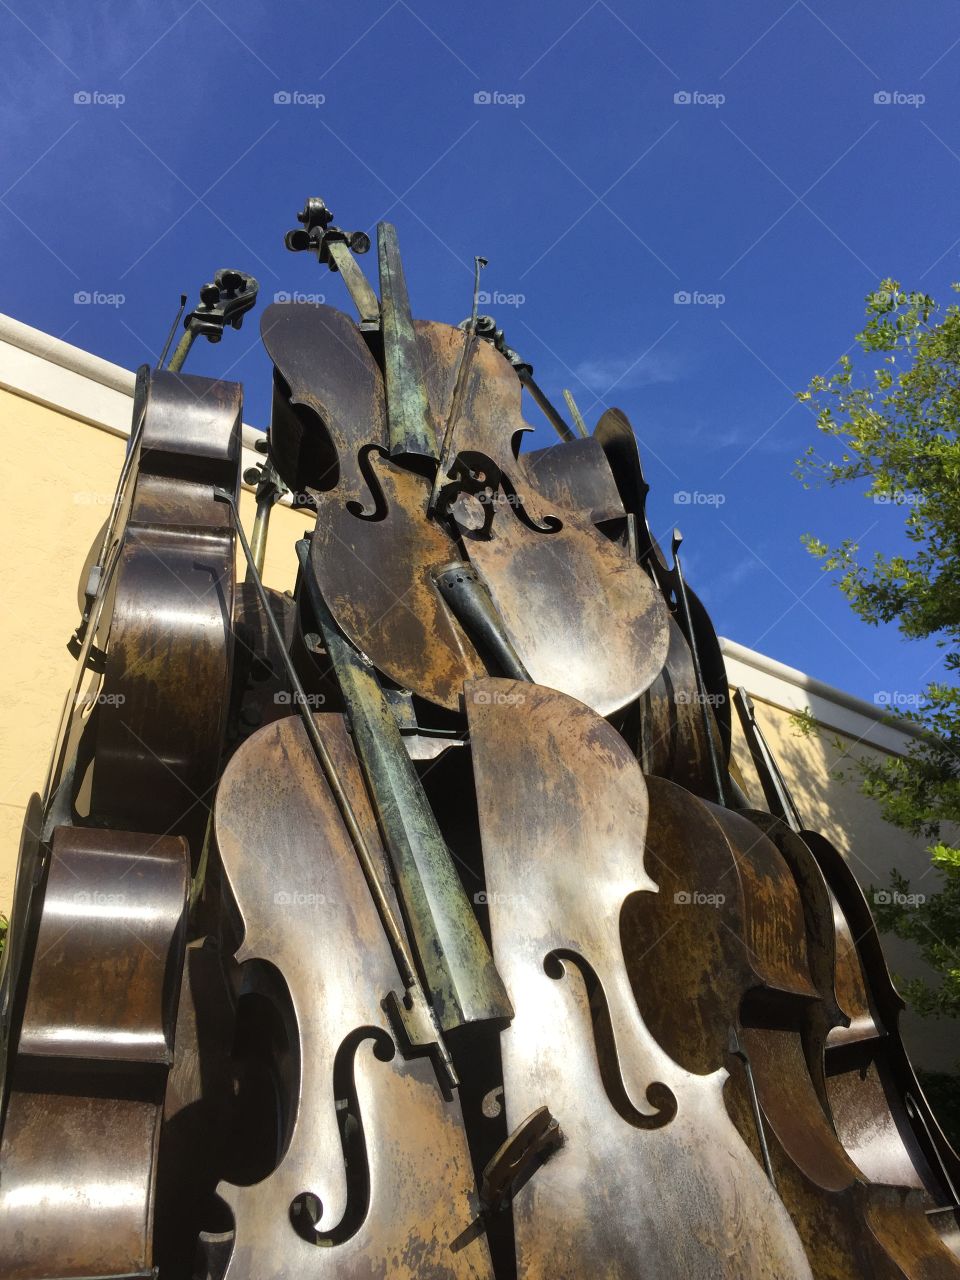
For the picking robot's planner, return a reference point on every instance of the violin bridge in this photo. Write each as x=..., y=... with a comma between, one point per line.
x=518, y=1158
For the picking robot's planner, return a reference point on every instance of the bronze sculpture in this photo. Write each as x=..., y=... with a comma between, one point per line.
x=446, y=1008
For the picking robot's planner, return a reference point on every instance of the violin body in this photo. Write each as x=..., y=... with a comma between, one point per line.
x=375, y=552
x=563, y=804
x=384, y=1179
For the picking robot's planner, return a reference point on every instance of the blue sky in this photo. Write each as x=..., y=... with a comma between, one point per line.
x=629, y=153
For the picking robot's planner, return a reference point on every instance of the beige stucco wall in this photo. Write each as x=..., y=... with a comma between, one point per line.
x=53, y=506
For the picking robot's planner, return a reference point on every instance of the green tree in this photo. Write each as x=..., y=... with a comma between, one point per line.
x=897, y=427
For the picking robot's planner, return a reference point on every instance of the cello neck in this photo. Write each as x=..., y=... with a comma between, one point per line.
x=775, y=789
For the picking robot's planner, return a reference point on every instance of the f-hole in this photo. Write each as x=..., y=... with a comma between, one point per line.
x=365, y=463
x=306, y=1209
x=550, y=524
x=659, y=1096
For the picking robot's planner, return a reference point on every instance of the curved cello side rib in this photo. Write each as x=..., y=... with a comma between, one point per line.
x=80, y=1137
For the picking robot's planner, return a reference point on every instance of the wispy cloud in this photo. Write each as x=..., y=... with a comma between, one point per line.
x=714, y=438
x=736, y=573
x=627, y=373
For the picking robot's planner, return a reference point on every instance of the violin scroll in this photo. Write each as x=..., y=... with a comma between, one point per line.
x=225, y=300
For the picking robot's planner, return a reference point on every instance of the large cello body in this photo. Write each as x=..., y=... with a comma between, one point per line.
x=373, y=1176
x=733, y=910
x=91, y=984
x=652, y=1179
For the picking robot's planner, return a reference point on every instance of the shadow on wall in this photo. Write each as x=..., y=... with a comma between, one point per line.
x=835, y=806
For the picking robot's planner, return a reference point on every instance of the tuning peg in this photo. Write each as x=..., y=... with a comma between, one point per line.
x=231, y=281
x=296, y=240
x=210, y=294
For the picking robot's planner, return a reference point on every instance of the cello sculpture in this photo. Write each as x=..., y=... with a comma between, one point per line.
x=410, y=923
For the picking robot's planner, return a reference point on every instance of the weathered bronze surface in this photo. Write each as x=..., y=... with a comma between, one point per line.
x=729, y=916
x=374, y=549
x=386, y=1183
x=410, y=429
x=652, y=1179
x=459, y=974
x=165, y=688
x=79, y=1147
x=858, y=1061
